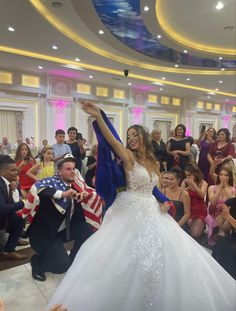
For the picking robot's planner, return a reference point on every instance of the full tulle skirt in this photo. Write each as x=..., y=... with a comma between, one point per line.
x=141, y=260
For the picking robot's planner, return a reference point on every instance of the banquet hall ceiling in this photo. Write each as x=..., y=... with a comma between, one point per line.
x=195, y=55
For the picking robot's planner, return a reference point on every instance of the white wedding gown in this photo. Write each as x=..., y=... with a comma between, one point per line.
x=140, y=259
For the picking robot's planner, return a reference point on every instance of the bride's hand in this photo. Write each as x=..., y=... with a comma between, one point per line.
x=90, y=108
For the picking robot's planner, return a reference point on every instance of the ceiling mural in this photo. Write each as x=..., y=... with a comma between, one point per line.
x=124, y=20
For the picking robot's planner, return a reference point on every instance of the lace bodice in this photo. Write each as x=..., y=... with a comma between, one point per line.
x=140, y=181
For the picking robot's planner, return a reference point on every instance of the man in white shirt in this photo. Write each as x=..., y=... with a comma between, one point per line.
x=9, y=220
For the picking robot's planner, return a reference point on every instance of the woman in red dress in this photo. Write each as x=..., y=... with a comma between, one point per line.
x=197, y=189
x=24, y=161
x=220, y=150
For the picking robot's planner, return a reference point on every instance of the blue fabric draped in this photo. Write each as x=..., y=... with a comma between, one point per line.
x=110, y=175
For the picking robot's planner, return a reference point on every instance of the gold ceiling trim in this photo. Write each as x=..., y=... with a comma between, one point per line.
x=106, y=70
x=186, y=42
x=68, y=32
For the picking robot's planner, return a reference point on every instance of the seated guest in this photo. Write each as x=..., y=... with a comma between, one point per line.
x=179, y=197
x=225, y=249
x=197, y=189
x=59, y=218
x=5, y=147
x=164, y=180
x=218, y=164
x=9, y=220
x=91, y=164
x=24, y=161
x=218, y=194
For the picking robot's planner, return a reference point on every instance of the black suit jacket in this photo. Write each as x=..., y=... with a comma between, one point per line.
x=47, y=221
x=7, y=205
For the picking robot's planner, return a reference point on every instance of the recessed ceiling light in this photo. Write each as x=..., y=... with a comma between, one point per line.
x=188, y=79
x=129, y=83
x=40, y=67
x=208, y=96
x=101, y=32
x=220, y=81
x=222, y=69
x=10, y=28
x=185, y=51
x=220, y=57
x=229, y=28
x=146, y=8
x=163, y=78
x=227, y=100
x=211, y=93
x=161, y=89
x=159, y=36
x=219, y=5
x=54, y=47
x=57, y=4
x=90, y=77
x=77, y=59
x=176, y=66
x=158, y=83
x=217, y=89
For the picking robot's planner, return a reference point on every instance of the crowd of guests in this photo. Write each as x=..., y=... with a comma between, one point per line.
x=198, y=176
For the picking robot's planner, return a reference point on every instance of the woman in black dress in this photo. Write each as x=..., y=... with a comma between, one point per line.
x=179, y=197
x=159, y=148
x=76, y=146
x=224, y=251
x=178, y=148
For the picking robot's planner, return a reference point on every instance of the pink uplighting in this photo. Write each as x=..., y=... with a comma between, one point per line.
x=188, y=124
x=137, y=112
x=59, y=106
x=226, y=120
x=187, y=132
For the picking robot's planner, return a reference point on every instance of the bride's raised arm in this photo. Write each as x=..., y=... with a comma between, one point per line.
x=124, y=154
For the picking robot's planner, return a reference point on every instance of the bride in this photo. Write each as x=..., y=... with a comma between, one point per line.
x=140, y=259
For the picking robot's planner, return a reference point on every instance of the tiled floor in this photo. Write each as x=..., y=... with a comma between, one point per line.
x=21, y=293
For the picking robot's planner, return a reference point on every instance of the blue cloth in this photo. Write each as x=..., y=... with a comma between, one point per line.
x=110, y=175
x=110, y=171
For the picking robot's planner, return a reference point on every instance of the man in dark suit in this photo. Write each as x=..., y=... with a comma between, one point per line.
x=53, y=225
x=9, y=220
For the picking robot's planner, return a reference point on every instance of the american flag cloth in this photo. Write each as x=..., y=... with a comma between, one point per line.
x=91, y=204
